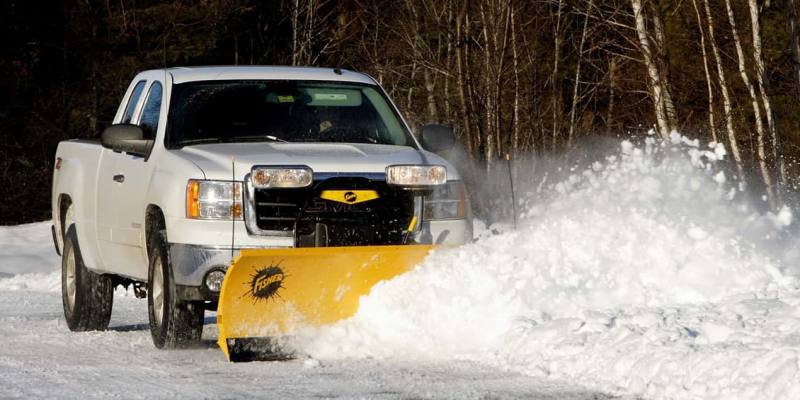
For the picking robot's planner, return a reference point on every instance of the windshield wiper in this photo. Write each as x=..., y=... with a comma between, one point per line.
x=275, y=139
x=198, y=141
x=233, y=139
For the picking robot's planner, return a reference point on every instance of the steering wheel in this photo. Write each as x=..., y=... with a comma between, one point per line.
x=343, y=134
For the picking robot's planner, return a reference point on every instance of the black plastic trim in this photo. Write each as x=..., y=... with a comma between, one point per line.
x=195, y=293
x=55, y=240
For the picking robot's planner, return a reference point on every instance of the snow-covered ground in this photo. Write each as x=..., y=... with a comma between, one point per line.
x=41, y=358
x=645, y=275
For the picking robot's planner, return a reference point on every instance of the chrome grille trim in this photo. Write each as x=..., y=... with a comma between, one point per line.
x=250, y=217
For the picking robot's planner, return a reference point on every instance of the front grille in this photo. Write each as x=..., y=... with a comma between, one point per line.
x=277, y=209
x=376, y=222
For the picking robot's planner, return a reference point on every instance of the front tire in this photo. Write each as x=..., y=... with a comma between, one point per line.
x=87, y=297
x=173, y=323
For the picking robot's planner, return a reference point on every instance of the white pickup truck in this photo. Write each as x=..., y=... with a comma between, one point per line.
x=201, y=162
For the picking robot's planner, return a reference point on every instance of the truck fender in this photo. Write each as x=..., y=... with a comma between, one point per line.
x=71, y=182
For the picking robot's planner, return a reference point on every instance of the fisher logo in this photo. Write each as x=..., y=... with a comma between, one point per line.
x=266, y=282
x=349, y=197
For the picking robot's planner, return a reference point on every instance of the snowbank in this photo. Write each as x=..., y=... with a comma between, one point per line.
x=27, y=248
x=643, y=275
x=28, y=260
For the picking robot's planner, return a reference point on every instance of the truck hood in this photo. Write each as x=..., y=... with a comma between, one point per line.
x=215, y=159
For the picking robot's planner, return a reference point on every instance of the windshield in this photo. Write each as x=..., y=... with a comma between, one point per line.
x=278, y=111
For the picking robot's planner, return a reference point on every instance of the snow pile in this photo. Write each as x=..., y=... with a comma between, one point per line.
x=27, y=248
x=642, y=275
x=28, y=260
x=36, y=281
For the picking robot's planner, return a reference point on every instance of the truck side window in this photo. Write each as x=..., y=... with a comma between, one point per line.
x=151, y=112
x=134, y=99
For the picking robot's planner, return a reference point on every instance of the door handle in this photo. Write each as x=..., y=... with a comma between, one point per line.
x=119, y=178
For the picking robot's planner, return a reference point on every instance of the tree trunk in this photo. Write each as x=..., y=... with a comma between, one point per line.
x=712, y=126
x=515, y=116
x=410, y=95
x=461, y=82
x=759, y=122
x=430, y=86
x=295, y=27
x=791, y=15
x=235, y=49
x=762, y=90
x=555, y=81
x=726, y=99
x=662, y=61
x=656, y=86
x=612, y=91
x=448, y=64
x=308, y=32
x=489, y=129
x=470, y=85
x=501, y=8
x=575, y=89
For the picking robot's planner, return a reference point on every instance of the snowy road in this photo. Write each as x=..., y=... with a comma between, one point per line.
x=40, y=358
x=648, y=275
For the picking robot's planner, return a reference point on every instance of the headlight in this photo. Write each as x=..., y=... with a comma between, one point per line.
x=213, y=199
x=271, y=177
x=416, y=175
x=446, y=202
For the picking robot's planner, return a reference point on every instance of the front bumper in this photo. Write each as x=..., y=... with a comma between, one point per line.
x=191, y=262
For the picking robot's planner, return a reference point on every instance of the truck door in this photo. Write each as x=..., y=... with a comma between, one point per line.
x=105, y=210
x=107, y=183
x=130, y=193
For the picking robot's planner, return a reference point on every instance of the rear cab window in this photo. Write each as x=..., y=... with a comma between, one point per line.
x=130, y=108
x=151, y=111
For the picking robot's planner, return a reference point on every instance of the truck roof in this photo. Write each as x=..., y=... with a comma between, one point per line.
x=190, y=74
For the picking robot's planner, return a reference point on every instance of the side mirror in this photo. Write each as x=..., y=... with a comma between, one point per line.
x=126, y=138
x=436, y=138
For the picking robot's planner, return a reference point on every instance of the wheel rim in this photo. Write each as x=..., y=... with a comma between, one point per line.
x=158, y=291
x=70, y=278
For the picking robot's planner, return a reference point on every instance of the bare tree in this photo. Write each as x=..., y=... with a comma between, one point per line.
x=791, y=15
x=709, y=84
x=515, y=139
x=726, y=98
x=759, y=123
x=315, y=30
x=575, y=89
x=555, y=81
x=422, y=53
x=662, y=60
x=656, y=82
x=755, y=25
x=461, y=76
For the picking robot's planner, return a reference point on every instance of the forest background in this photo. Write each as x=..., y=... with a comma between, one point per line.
x=531, y=79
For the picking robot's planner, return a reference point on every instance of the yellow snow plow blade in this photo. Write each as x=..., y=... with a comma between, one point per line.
x=269, y=293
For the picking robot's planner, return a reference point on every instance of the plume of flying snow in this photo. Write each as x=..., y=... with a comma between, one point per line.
x=643, y=273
